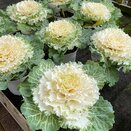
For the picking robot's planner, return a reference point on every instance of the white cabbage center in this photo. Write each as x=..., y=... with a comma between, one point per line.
x=61, y=28
x=95, y=11
x=27, y=7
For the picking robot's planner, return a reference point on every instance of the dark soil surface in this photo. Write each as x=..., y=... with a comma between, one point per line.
x=4, y=3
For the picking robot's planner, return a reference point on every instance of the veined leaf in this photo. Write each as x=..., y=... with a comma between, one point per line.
x=96, y=71
x=24, y=89
x=85, y=39
x=112, y=76
x=6, y=25
x=102, y=74
x=101, y=116
x=3, y=85
x=37, y=72
x=37, y=119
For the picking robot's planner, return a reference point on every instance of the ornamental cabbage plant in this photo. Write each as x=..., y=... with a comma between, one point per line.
x=96, y=13
x=115, y=45
x=65, y=96
x=62, y=35
x=16, y=56
x=13, y=51
x=27, y=11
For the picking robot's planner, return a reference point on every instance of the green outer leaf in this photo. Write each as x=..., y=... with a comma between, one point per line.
x=111, y=71
x=101, y=116
x=85, y=38
x=37, y=119
x=116, y=14
x=96, y=71
x=103, y=74
x=6, y=25
x=37, y=56
x=3, y=85
x=24, y=89
x=37, y=72
x=111, y=76
x=110, y=24
x=24, y=28
x=75, y=4
x=56, y=55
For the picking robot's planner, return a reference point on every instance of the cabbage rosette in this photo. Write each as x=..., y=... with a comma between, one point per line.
x=16, y=56
x=14, y=51
x=97, y=12
x=114, y=44
x=27, y=11
x=65, y=96
x=62, y=35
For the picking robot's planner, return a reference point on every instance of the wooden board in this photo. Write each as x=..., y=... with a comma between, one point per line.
x=10, y=118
